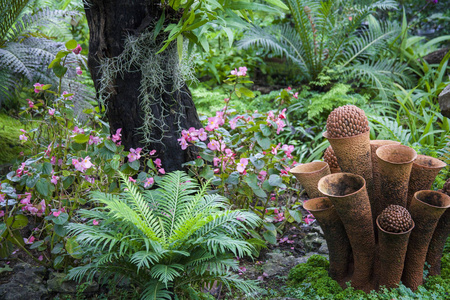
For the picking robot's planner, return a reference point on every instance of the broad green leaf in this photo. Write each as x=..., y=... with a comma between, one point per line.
x=180, y=46
x=59, y=70
x=43, y=187
x=246, y=92
x=58, y=262
x=276, y=180
x=81, y=138
x=270, y=236
x=134, y=165
x=61, y=219
x=37, y=244
x=60, y=230
x=72, y=44
x=110, y=145
x=31, y=181
x=47, y=168
x=262, y=141
x=265, y=129
x=73, y=248
x=20, y=221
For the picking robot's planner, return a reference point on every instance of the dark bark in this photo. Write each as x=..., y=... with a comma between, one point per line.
x=110, y=21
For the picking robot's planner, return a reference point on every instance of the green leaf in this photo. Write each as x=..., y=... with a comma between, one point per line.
x=276, y=180
x=57, y=248
x=67, y=181
x=60, y=230
x=72, y=44
x=296, y=215
x=57, y=263
x=43, y=187
x=180, y=46
x=73, y=248
x=37, y=244
x=31, y=181
x=265, y=129
x=270, y=236
x=262, y=141
x=269, y=226
x=20, y=221
x=246, y=92
x=61, y=219
x=110, y=145
x=252, y=182
x=59, y=70
x=233, y=178
x=134, y=165
x=257, y=161
x=47, y=168
x=81, y=138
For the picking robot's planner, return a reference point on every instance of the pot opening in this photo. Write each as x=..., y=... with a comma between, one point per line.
x=396, y=154
x=433, y=198
x=311, y=167
x=429, y=162
x=341, y=184
x=317, y=204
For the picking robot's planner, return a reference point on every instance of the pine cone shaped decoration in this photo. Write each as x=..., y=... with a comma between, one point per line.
x=347, y=120
x=330, y=158
x=446, y=187
x=395, y=218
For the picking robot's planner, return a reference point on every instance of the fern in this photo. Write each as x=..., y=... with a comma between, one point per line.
x=160, y=237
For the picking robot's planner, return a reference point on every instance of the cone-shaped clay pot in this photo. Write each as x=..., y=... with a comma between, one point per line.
x=424, y=171
x=394, y=162
x=353, y=155
x=426, y=208
x=349, y=196
x=391, y=254
x=377, y=190
x=335, y=235
x=437, y=244
x=309, y=175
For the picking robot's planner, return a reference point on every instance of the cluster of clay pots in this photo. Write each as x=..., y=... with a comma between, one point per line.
x=372, y=176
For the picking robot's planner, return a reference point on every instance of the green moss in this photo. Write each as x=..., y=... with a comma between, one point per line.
x=10, y=146
x=311, y=281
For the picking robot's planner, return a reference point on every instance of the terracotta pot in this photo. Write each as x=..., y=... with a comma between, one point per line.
x=392, y=251
x=437, y=244
x=353, y=155
x=338, y=244
x=395, y=163
x=426, y=208
x=424, y=171
x=309, y=174
x=349, y=196
x=377, y=190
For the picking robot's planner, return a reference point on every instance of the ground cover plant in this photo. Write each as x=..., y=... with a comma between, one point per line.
x=76, y=200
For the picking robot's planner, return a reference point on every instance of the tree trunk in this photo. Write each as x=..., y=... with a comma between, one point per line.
x=110, y=22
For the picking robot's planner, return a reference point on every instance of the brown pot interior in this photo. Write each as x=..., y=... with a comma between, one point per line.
x=340, y=184
x=396, y=154
x=311, y=167
x=433, y=198
x=317, y=204
x=429, y=162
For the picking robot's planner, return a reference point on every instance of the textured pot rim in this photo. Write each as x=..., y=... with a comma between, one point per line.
x=400, y=146
x=431, y=192
x=325, y=135
x=325, y=164
x=384, y=142
x=440, y=163
x=396, y=233
x=318, y=198
x=340, y=174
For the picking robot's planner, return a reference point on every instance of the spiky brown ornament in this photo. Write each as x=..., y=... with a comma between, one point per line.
x=330, y=158
x=446, y=187
x=395, y=218
x=347, y=120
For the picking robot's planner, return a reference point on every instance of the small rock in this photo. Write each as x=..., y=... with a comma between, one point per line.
x=57, y=283
x=27, y=282
x=313, y=241
x=444, y=101
x=323, y=249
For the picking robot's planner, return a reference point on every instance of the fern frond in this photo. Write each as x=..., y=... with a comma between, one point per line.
x=9, y=13
x=156, y=290
x=389, y=129
x=166, y=273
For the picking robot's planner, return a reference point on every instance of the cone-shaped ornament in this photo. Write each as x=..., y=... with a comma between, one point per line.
x=309, y=175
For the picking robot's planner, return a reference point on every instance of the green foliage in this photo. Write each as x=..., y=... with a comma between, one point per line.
x=329, y=34
x=10, y=146
x=172, y=237
x=311, y=281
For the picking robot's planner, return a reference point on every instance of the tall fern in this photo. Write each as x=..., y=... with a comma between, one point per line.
x=165, y=239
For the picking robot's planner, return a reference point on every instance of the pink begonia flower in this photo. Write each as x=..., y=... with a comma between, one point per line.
x=148, y=182
x=274, y=150
x=213, y=123
x=233, y=123
x=30, y=103
x=41, y=258
x=56, y=213
x=282, y=114
x=131, y=179
x=89, y=179
x=78, y=130
x=49, y=149
x=295, y=95
x=53, y=160
x=202, y=135
x=262, y=175
x=183, y=143
x=157, y=162
x=30, y=240
x=38, y=87
x=51, y=111
x=2, y=197
x=350, y=18
x=60, y=162
x=226, y=100
x=79, y=71
x=242, y=71
x=289, y=88
x=66, y=93
x=94, y=140
x=309, y=219
x=54, y=179
x=270, y=117
x=134, y=154
x=23, y=137
x=152, y=152
x=162, y=171
x=220, y=118
x=216, y=170
x=216, y=161
x=243, y=162
x=77, y=50
x=280, y=125
x=86, y=163
x=116, y=137
x=95, y=222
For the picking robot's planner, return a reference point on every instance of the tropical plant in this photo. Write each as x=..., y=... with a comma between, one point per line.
x=164, y=240
x=25, y=51
x=335, y=34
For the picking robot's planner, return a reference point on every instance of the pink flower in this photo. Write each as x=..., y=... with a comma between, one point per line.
x=242, y=71
x=41, y=258
x=148, y=182
x=162, y=171
x=274, y=150
x=262, y=175
x=95, y=222
x=79, y=71
x=134, y=154
x=280, y=125
x=213, y=123
x=158, y=162
x=131, y=179
x=91, y=180
x=282, y=114
x=30, y=103
x=243, y=162
x=94, y=140
x=152, y=152
x=86, y=163
x=202, y=134
x=56, y=213
x=116, y=137
x=51, y=111
x=23, y=137
x=226, y=100
x=77, y=50
x=289, y=88
x=309, y=219
x=54, y=179
x=216, y=161
x=78, y=130
x=30, y=240
x=38, y=87
x=183, y=143
x=233, y=123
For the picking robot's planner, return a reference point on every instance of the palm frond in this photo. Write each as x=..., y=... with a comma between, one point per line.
x=166, y=273
x=156, y=290
x=9, y=13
